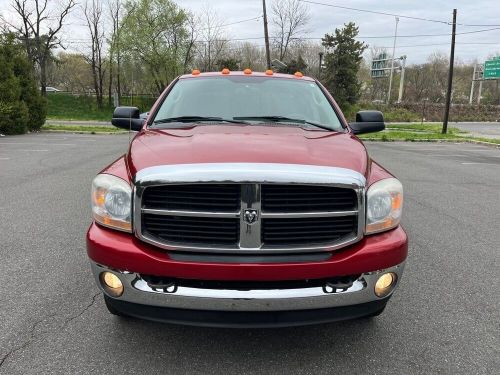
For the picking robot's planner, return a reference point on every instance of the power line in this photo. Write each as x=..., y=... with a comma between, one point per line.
x=442, y=44
x=376, y=12
x=241, y=21
x=399, y=15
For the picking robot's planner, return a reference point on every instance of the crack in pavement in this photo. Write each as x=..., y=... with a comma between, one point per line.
x=31, y=332
x=82, y=311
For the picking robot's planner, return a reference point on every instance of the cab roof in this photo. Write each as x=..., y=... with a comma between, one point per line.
x=243, y=74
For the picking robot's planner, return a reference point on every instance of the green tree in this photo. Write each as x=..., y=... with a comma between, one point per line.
x=295, y=65
x=230, y=63
x=343, y=63
x=156, y=32
x=22, y=107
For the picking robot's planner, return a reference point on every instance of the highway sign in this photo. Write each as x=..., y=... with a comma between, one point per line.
x=492, y=69
x=379, y=66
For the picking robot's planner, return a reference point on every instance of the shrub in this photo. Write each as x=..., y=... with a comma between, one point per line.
x=22, y=107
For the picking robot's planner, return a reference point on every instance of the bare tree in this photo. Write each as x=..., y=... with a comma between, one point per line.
x=290, y=19
x=92, y=10
x=192, y=29
x=214, y=41
x=39, y=29
x=115, y=8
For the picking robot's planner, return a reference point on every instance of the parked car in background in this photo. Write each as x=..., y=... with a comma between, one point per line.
x=246, y=199
x=51, y=89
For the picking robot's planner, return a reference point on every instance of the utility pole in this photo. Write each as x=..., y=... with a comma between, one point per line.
x=266, y=35
x=392, y=61
x=450, y=73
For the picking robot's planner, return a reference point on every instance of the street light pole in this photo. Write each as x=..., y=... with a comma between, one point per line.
x=392, y=61
x=402, y=80
x=266, y=35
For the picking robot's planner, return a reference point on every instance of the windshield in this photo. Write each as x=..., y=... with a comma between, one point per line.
x=250, y=100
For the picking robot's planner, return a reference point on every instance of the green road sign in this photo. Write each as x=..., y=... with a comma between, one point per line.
x=492, y=69
x=379, y=66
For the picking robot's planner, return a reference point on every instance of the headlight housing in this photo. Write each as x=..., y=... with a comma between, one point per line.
x=384, y=205
x=112, y=202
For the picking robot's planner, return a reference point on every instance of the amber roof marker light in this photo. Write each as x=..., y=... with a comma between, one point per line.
x=247, y=71
x=225, y=71
x=298, y=75
x=269, y=72
x=195, y=72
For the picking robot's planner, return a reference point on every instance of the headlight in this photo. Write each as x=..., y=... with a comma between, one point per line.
x=112, y=202
x=384, y=205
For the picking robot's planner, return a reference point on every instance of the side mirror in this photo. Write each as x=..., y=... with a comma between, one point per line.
x=127, y=118
x=368, y=122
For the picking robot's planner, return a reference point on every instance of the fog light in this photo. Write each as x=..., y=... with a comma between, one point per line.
x=385, y=284
x=111, y=284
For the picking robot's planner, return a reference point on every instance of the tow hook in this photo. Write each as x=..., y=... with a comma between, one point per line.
x=337, y=286
x=166, y=287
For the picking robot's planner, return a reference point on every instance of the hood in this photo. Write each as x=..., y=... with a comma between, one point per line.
x=246, y=144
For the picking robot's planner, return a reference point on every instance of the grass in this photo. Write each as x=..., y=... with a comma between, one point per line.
x=428, y=127
x=62, y=106
x=417, y=132
x=83, y=129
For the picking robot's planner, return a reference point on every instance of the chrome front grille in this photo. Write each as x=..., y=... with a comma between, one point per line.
x=249, y=208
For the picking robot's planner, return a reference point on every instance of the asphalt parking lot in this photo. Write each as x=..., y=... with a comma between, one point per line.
x=445, y=317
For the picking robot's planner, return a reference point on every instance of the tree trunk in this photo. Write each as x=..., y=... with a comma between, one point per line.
x=118, y=77
x=43, y=76
x=110, y=83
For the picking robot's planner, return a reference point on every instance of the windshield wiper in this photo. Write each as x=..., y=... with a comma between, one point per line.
x=196, y=119
x=283, y=119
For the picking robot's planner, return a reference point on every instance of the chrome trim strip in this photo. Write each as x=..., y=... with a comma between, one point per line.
x=291, y=215
x=137, y=291
x=190, y=213
x=250, y=176
x=250, y=233
x=261, y=173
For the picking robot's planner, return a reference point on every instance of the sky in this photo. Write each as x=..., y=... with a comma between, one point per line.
x=470, y=47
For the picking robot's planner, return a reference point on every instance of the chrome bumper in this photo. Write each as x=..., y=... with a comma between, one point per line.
x=136, y=290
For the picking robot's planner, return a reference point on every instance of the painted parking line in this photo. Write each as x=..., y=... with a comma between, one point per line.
x=480, y=163
x=33, y=150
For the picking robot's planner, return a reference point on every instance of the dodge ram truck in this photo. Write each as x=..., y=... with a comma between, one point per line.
x=246, y=200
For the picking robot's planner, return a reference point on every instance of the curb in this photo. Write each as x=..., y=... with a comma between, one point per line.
x=82, y=132
x=490, y=144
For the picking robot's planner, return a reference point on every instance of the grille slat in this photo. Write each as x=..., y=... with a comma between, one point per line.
x=282, y=232
x=192, y=230
x=209, y=197
x=307, y=198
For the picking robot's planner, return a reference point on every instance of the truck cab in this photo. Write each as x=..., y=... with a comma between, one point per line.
x=246, y=200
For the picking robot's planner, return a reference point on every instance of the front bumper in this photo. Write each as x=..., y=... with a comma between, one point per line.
x=123, y=251
x=140, y=296
x=247, y=319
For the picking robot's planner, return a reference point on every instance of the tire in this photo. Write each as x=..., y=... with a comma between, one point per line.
x=111, y=308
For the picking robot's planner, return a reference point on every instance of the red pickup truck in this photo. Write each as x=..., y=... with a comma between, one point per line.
x=246, y=200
